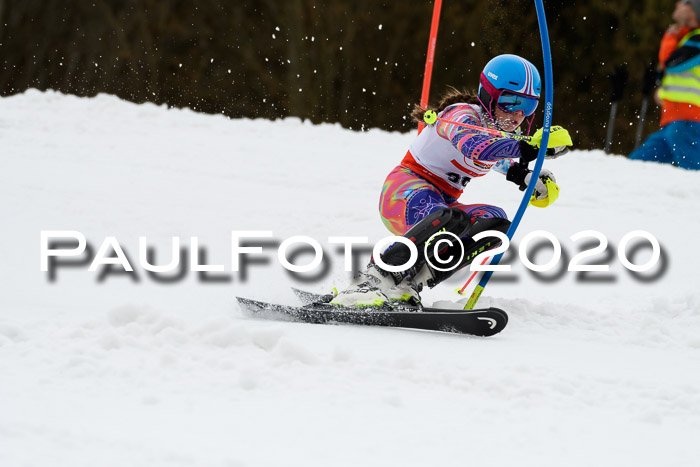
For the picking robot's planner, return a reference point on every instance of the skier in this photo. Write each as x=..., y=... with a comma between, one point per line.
x=678, y=140
x=419, y=197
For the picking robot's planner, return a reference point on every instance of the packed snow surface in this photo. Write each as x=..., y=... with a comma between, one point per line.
x=102, y=368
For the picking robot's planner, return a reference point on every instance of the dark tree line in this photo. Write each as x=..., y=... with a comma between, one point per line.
x=357, y=62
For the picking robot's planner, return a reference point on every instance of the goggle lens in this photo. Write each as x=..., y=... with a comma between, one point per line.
x=509, y=102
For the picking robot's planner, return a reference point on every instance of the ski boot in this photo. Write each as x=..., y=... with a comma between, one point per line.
x=406, y=293
x=370, y=288
x=376, y=287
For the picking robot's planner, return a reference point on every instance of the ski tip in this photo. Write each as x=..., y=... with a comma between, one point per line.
x=500, y=312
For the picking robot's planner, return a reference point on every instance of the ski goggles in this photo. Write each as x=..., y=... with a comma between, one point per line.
x=512, y=102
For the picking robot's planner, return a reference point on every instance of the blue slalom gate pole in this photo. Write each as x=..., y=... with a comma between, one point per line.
x=548, y=98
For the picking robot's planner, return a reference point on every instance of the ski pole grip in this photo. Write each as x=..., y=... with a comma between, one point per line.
x=430, y=117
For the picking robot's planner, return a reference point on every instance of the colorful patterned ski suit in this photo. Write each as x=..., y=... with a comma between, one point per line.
x=439, y=165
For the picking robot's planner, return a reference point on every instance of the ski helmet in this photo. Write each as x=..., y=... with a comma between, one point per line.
x=512, y=83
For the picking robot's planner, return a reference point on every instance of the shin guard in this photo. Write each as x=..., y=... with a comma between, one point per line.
x=471, y=249
x=451, y=220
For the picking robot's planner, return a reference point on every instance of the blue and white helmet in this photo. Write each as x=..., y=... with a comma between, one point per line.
x=512, y=83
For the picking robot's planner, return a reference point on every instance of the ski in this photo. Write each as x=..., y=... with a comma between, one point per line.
x=307, y=298
x=482, y=322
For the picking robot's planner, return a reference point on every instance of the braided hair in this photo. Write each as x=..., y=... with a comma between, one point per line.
x=452, y=96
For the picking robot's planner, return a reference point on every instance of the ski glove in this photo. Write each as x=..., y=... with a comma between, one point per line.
x=546, y=189
x=541, y=186
x=558, y=144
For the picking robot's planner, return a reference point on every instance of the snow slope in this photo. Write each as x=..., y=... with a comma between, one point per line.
x=136, y=372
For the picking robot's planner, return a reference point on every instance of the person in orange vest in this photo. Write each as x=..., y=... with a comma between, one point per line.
x=678, y=140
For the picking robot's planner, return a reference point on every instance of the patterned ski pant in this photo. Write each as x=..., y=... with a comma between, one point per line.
x=407, y=198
